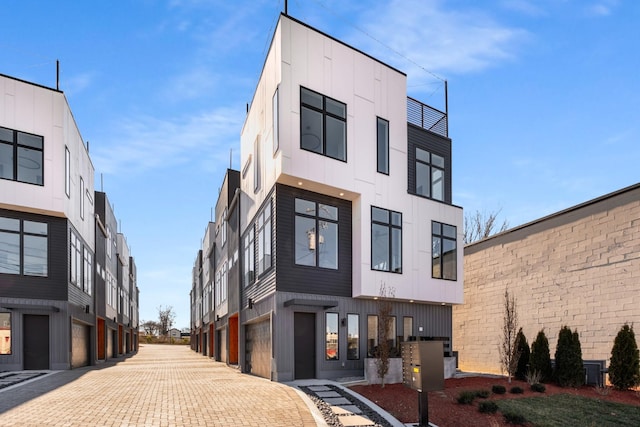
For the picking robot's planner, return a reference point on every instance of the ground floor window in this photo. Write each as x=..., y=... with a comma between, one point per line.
x=332, y=337
x=5, y=333
x=353, y=337
x=444, y=251
x=372, y=334
x=407, y=328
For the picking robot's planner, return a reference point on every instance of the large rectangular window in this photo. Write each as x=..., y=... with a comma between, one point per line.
x=316, y=230
x=87, y=276
x=323, y=125
x=353, y=337
x=249, y=264
x=23, y=247
x=21, y=156
x=331, y=340
x=81, y=198
x=383, y=146
x=444, y=252
x=263, y=226
x=5, y=333
x=386, y=240
x=75, y=265
x=429, y=174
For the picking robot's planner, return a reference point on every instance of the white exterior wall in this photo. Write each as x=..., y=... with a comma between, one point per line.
x=300, y=56
x=30, y=108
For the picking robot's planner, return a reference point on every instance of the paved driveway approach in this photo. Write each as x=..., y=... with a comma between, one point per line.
x=159, y=386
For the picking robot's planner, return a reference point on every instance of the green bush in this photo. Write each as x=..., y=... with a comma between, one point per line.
x=512, y=417
x=516, y=390
x=466, y=397
x=540, y=388
x=540, y=358
x=569, y=367
x=482, y=394
x=522, y=348
x=624, y=368
x=488, y=407
x=498, y=389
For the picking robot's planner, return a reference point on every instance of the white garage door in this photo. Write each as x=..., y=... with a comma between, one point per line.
x=79, y=345
x=258, y=349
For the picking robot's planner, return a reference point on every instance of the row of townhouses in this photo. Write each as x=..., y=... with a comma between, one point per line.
x=344, y=199
x=68, y=292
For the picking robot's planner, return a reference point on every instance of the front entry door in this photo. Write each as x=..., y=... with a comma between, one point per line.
x=304, y=345
x=36, y=341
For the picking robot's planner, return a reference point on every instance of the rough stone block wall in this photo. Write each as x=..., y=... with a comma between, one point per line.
x=579, y=268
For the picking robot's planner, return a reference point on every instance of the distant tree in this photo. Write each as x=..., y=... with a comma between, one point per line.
x=480, y=225
x=383, y=351
x=540, y=358
x=509, y=354
x=569, y=367
x=166, y=317
x=624, y=369
x=150, y=327
x=522, y=347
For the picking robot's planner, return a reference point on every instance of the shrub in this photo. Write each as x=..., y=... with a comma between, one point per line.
x=522, y=348
x=624, y=368
x=516, y=390
x=488, y=407
x=483, y=394
x=569, y=368
x=513, y=417
x=540, y=388
x=540, y=358
x=466, y=397
x=533, y=377
x=499, y=389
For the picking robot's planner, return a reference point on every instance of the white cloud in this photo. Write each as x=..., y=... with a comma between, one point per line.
x=145, y=142
x=438, y=39
x=77, y=83
x=524, y=6
x=602, y=8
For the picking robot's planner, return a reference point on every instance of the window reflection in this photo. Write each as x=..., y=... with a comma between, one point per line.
x=332, y=336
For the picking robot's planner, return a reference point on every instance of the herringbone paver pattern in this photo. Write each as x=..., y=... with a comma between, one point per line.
x=159, y=386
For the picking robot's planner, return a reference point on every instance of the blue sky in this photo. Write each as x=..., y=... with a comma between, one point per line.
x=544, y=100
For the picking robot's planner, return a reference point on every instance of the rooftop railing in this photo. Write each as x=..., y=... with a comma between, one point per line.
x=427, y=117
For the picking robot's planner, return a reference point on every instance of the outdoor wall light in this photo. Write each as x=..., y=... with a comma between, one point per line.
x=250, y=302
x=343, y=321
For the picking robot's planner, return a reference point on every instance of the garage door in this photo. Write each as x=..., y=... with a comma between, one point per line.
x=258, y=349
x=79, y=345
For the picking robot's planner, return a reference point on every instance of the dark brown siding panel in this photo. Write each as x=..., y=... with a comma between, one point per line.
x=312, y=280
x=433, y=143
x=52, y=287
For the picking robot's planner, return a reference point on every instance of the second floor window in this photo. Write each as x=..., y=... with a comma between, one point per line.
x=316, y=231
x=249, y=264
x=323, y=125
x=21, y=156
x=23, y=247
x=386, y=240
x=383, y=146
x=264, y=239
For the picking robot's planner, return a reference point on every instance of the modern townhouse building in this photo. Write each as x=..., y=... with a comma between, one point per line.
x=579, y=267
x=47, y=233
x=345, y=199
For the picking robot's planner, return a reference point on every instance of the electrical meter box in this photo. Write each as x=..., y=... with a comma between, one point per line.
x=423, y=365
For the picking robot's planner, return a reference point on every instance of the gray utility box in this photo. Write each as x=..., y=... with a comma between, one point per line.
x=423, y=365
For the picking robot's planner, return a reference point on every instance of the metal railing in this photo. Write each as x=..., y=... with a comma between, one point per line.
x=427, y=117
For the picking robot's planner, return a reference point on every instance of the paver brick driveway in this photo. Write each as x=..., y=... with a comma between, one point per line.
x=159, y=386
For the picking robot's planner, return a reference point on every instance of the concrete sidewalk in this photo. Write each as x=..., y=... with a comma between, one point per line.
x=159, y=386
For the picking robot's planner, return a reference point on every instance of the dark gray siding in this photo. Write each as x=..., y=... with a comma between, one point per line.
x=234, y=272
x=433, y=143
x=100, y=256
x=304, y=279
x=52, y=287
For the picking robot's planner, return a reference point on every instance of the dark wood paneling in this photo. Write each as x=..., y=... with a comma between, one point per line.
x=313, y=280
x=433, y=143
x=52, y=287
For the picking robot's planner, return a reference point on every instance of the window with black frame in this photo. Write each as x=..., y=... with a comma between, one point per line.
x=21, y=156
x=323, y=125
x=24, y=247
x=316, y=234
x=444, y=251
x=430, y=177
x=386, y=240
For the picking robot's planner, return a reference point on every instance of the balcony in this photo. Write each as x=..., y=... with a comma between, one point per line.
x=427, y=117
